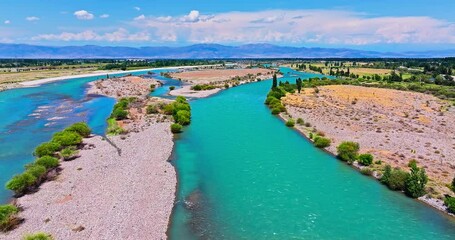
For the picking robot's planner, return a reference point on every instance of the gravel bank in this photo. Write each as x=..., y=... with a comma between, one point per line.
x=102, y=195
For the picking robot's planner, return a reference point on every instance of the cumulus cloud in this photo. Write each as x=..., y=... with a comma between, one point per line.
x=137, y=8
x=83, y=15
x=297, y=26
x=140, y=17
x=7, y=22
x=32, y=18
x=104, y=16
x=117, y=36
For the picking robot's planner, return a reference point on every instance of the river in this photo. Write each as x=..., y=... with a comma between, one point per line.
x=244, y=175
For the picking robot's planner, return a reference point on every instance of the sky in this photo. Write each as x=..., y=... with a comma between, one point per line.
x=379, y=25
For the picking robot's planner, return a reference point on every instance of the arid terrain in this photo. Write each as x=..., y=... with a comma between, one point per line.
x=394, y=126
x=129, y=86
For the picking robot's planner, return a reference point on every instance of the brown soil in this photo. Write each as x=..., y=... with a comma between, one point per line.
x=394, y=126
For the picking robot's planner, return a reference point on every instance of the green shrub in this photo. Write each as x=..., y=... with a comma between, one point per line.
x=67, y=138
x=38, y=236
x=7, y=216
x=310, y=135
x=182, y=117
x=300, y=121
x=275, y=111
x=366, y=171
x=47, y=162
x=348, y=151
x=176, y=128
x=290, y=123
x=81, y=128
x=365, y=159
x=395, y=179
x=450, y=203
x=47, y=149
x=180, y=99
x=68, y=152
x=416, y=181
x=19, y=183
x=113, y=128
x=453, y=184
x=321, y=142
x=171, y=88
x=200, y=87
x=36, y=170
x=152, y=109
x=169, y=109
x=119, y=114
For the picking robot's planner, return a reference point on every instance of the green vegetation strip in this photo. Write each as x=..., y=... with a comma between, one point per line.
x=63, y=145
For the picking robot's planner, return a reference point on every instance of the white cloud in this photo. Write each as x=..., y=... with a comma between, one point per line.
x=137, y=8
x=117, y=36
x=7, y=22
x=297, y=26
x=32, y=18
x=83, y=15
x=140, y=17
x=104, y=16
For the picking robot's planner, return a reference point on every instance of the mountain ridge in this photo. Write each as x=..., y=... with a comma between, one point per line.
x=204, y=51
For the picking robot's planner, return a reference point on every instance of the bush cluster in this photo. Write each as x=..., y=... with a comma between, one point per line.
x=450, y=203
x=413, y=183
x=394, y=178
x=365, y=159
x=321, y=142
x=180, y=109
x=65, y=141
x=290, y=123
x=202, y=87
x=176, y=128
x=348, y=151
x=120, y=108
x=7, y=217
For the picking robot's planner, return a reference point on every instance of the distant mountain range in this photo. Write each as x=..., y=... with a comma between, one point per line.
x=206, y=51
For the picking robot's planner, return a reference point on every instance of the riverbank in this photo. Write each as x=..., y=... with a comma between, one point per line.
x=104, y=195
x=204, y=83
x=394, y=126
x=35, y=83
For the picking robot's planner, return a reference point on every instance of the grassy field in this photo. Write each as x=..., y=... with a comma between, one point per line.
x=15, y=77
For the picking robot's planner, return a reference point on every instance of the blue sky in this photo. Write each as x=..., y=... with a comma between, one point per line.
x=383, y=25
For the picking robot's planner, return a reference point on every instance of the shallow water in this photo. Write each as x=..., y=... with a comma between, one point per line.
x=31, y=115
x=244, y=175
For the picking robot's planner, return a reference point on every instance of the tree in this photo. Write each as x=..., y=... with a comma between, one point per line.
x=298, y=82
x=386, y=175
x=416, y=181
x=274, y=81
x=348, y=151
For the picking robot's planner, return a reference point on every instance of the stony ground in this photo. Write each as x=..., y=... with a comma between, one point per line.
x=130, y=86
x=395, y=126
x=103, y=195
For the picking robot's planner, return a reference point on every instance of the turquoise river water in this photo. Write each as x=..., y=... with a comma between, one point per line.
x=31, y=115
x=242, y=173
